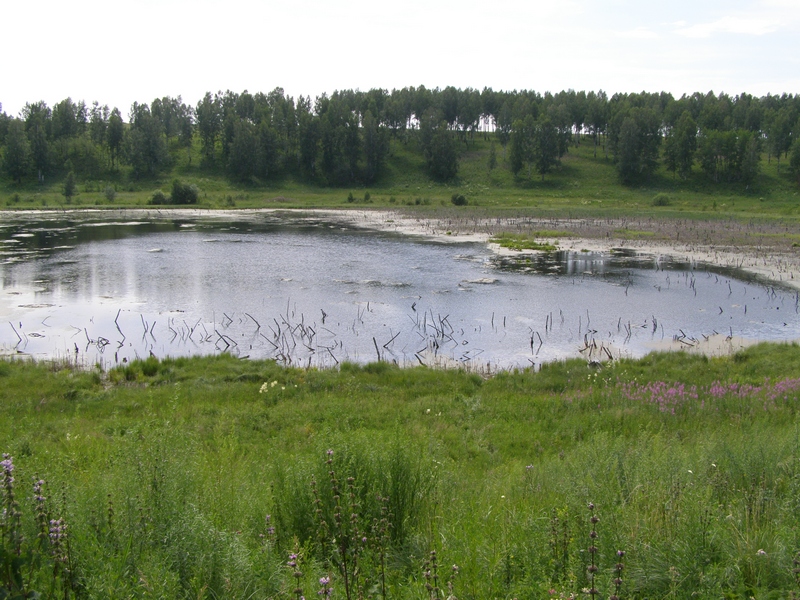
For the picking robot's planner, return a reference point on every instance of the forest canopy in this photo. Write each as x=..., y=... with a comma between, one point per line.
x=345, y=138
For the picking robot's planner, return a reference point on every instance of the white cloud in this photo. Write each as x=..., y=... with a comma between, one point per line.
x=740, y=25
x=640, y=33
x=136, y=50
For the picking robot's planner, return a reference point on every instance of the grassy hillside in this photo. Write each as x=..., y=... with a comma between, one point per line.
x=164, y=474
x=582, y=185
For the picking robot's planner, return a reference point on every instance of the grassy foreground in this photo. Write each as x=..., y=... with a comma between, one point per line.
x=163, y=475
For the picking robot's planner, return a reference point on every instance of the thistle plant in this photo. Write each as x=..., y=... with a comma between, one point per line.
x=11, y=515
x=618, y=575
x=294, y=567
x=269, y=536
x=325, y=587
x=450, y=583
x=430, y=571
x=559, y=544
x=380, y=539
x=323, y=530
x=41, y=513
x=593, y=519
x=347, y=539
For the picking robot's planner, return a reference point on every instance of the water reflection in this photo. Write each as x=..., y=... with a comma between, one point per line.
x=311, y=292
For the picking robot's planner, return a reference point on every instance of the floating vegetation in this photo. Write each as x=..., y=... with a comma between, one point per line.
x=521, y=242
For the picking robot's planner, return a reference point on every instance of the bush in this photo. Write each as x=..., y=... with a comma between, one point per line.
x=661, y=200
x=110, y=193
x=184, y=193
x=158, y=197
x=458, y=199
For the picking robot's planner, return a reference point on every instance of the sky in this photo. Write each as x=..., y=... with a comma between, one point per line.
x=120, y=51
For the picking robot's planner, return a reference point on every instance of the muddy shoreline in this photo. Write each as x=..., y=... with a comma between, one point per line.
x=766, y=250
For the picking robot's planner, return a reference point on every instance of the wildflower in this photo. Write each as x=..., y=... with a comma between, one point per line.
x=761, y=552
x=326, y=590
x=7, y=464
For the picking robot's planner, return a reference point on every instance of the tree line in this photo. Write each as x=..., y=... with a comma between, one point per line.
x=345, y=138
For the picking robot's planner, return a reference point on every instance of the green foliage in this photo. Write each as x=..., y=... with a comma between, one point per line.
x=184, y=193
x=17, y=155
x=492, y=161
x=536, y=144
x=523, y=242
x=794, y=161
x=166, y=471
x=729, y=155
x=110, y=193
x=458, y=199
x=145, y=146
x=680, y=145
x=438, y=147
x=636, y=147
x=70, y=187
x=294, y=148
x=661, y=200
x=158, y=197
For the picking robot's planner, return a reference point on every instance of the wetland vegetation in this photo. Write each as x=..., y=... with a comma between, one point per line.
x=670, y=476
x=209, y=477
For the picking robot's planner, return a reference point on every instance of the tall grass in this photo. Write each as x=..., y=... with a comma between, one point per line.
x=183, y=479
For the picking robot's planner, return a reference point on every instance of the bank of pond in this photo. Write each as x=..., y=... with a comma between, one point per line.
x=673, y=475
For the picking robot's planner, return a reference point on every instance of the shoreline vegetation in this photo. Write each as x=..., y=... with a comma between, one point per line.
x=218, y=477
x=672, y=476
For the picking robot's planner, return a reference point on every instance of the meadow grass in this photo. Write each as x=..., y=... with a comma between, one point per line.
x=583, y=185
x=193, y=478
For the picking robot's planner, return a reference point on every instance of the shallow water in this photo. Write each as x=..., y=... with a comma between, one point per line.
x=312, y=292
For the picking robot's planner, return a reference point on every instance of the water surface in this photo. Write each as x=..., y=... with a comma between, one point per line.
x=303, y=290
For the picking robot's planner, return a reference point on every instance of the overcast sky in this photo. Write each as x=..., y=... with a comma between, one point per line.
x=118, y=52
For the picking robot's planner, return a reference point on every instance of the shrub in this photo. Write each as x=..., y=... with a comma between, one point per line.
x=158, y=197
x=458, y=199
x=661, y=200
x=110, y=193
x=350, y=197
x=184, y=193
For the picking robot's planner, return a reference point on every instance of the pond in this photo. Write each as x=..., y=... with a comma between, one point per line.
x=307, y=290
